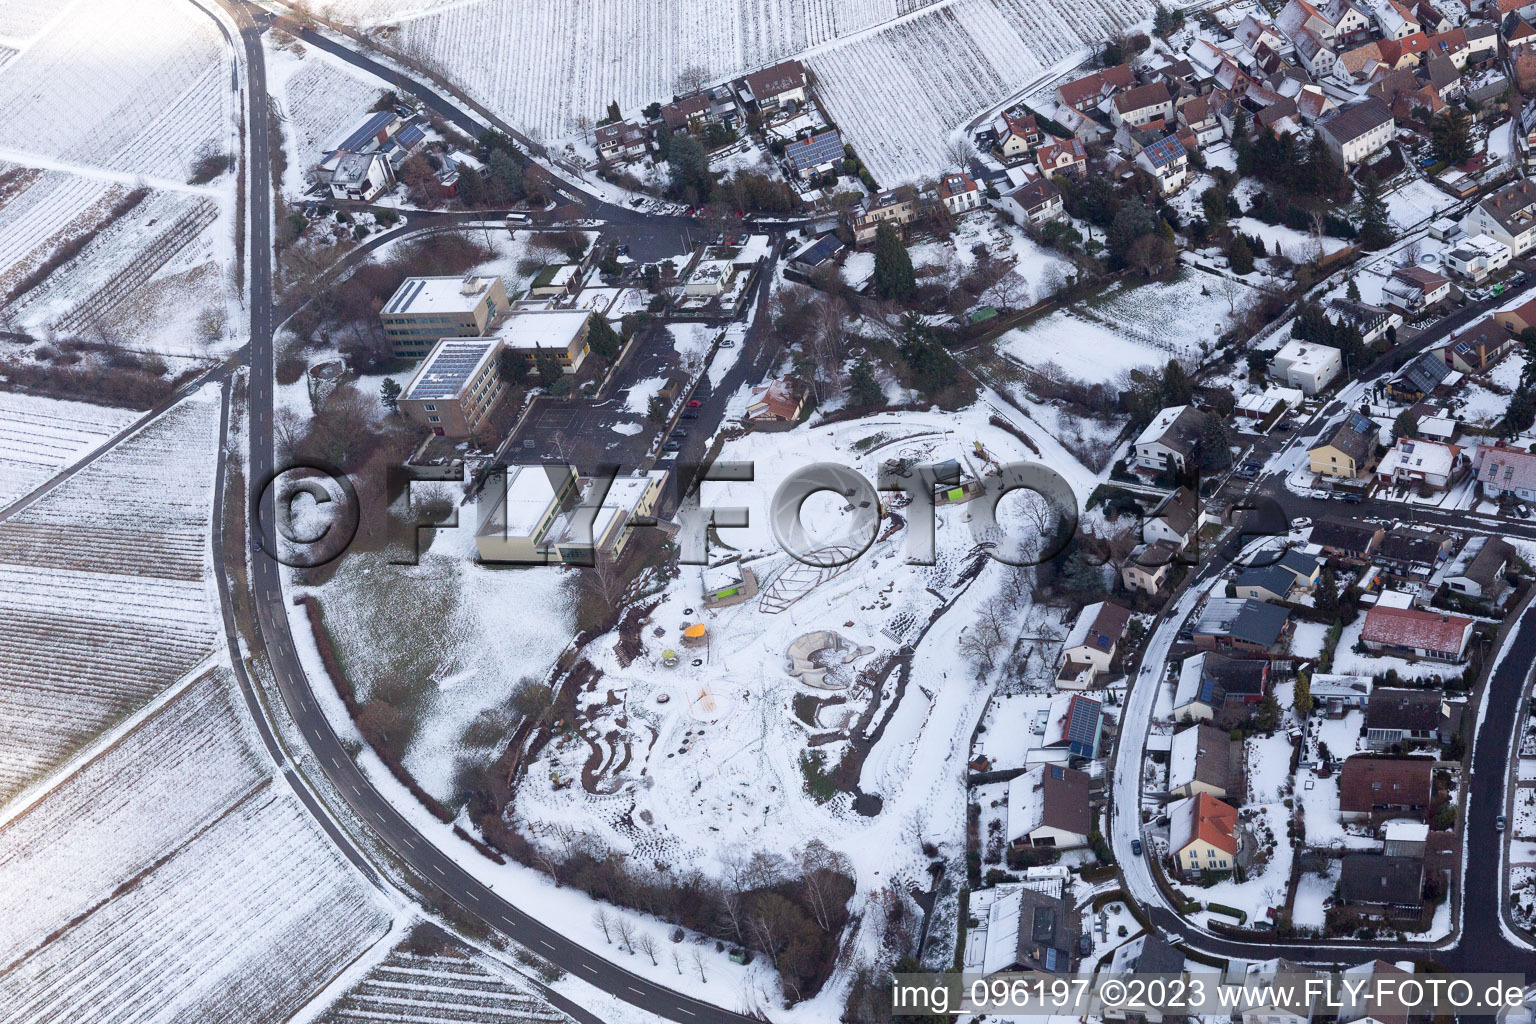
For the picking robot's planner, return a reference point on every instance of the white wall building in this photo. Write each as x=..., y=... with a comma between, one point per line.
x=1306, y=365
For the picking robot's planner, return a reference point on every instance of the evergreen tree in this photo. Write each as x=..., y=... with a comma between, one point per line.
x=863, y=390
x=1240, y=256
x=1406, y=424
x=1178, y=389
x=1213, y=202
x=656, y=409
x=602, y=338
x=1302, y=698
x=1375, y=230
x=1215, y=445
x=932, y=368
x=548, y=367
x=471, y=186
x=1352, y=290
x=691, y=177
x=1131, y=222
x=389, y=394
x=1450, y=136
x=1325, y=596
x=511, y=367
x=504, y=178
x=894, y=279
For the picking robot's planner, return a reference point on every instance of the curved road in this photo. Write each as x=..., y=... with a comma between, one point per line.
x=393, y=829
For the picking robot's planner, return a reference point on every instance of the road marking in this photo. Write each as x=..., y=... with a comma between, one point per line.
x=336, y=763
x=688, y=1012
x=635, y=990
x=589, y=967
x=472, y=896
x=438, y=869
x=355, y=789
x=545, y=944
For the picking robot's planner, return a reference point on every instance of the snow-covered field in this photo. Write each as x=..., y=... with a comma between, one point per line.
x=897, y=75
x=407, y=988
x=105, y=595
x=174, y=878
x=40, y=437
x=322, y=99
x=139, y=88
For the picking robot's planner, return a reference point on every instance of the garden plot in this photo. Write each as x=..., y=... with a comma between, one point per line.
x=140, y=88
x=125, y=810
x=40, y=437
x=1416, y=203
x=244, y=922
x=105, y=595
x=455, y=984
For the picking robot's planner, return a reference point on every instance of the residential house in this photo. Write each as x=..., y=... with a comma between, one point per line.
x=775, y=87
x=1314, y=53
x=1373, y=321
x=1208, y=681
x=1300, y=16
x=1355, y=132
x=1347, y=539
x=1478, y=349
x=1508, y=215
x=1049, y=806
x=1147, y=567
x=1048, y=932
x=1415, y=289
x=455, y=387
x=1170, y=441
x=1386, y=887
x=814, y=156
x=1262, y=406
x=622, y=141
x=1090, y=645
x=1074, y=727
x=361, y=177
x=1202, y=834
x=1065, y=157
x=1423, y=464
x=900, y=206
x=1168, y=162
x=1253, y=33
x=1306, y=365
x=1377, y=788
x=1142, y=105
x=1280, y=118
x=1516, y=320
x=1199, y=761
x=1482, y=39
x=1502, y=470
x=1241, y=626
x=1083, y=94
x=425, y=309
x=959, y=193
x=1175, y=519
x=1312, y=104
x=1414, y=633
x=1272, y=992
x=1404, y=718
x=1396, y=20
x=1265, y=583
x=1477, y=571
x=1348, y=452
x=1477, y=256
x=778, y=401
x=1357, y=1006
x=818, y=253
x=1034, y=202
x=1427, y=374
x=1412, y=554
x=1018, y=135
x=691, y=113
x=1338, y=694
x=1145, y=954
x=1198, y=114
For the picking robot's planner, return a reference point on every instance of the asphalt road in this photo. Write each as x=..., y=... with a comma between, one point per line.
x=393, y=829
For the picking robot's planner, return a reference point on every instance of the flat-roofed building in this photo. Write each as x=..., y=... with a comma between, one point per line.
x=455, y=387
x=517, y=510
x=589, y=530
x=424, y=309
x=560, y=332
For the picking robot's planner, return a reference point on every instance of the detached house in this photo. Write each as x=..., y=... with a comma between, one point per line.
x=1376, y=788
x=1423, y=463
x=621, y=140
x=1405, y=717
x=1065, y=157
x=1242, y=627
x=897, y=205
x=1208, y=681
x=778, y=401
x=1476, y=257
x=1356, y=132
x=1508, y=215
x=1506, y=471
x=1090, y=646
x=1199, y=761
x=1306, y=365
x=1385, y=887
x=1034, y=202
x=1170, y=440
x=1412, y=633
x=1410, y=554
x=1348, y=452
x=1085, y=93
x=1477, y=571
x=775, y=87
x=1478, y=349
x=1202, y=834
x=1518, y=319
x=818, y=154
x=1347, y=539
x=1147, y=567
x=1018, y=134
x=1048, y=806
x=1168, y=162
x=1174, y=520
x=959, y=193
x=1414, y=289
x=1074, y=727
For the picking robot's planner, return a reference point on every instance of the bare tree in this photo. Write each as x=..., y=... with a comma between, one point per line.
x=691, y=79
x=647, y=945
x=1231, y=289
x=603, y=920
x=698, y=961
x=603, y=580
x=984, y=639
x=677, y=961
x=961, y=150
x=626, y=932
x=821, y=872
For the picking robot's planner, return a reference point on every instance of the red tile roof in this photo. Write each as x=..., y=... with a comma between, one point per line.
x=1414, y=629
x=1209, y=820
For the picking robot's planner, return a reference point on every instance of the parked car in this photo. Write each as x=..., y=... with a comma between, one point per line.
x=1522, y=510
x=672, y=446
x=1348, y=497
x=1499, y=823
x=679, y=433
x=727, y=343
x=1301, y=522
x=694, y=403
x=1136, y=847
x=690, y=415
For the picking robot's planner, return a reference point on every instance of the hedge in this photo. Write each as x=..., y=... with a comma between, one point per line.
x=1221, y=908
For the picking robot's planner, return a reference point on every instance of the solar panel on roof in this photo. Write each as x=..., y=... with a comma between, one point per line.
x=449, y=370
x=818, y=149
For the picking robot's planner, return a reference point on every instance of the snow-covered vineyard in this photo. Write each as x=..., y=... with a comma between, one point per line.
x=935, y=65
x=428, y=988
x=105, y=594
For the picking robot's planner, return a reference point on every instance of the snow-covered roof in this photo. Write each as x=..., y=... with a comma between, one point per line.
x=1416, y=630
x=456, y=294
x=1400, y=831
x=1429, y=458
x=553, y=329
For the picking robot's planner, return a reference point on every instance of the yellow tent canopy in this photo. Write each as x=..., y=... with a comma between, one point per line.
x=694, y=631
